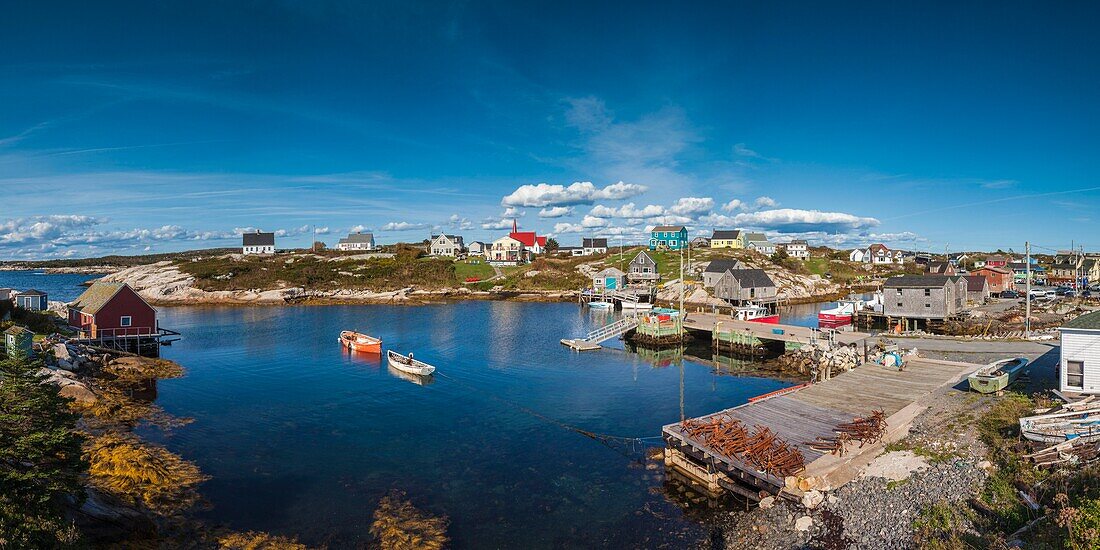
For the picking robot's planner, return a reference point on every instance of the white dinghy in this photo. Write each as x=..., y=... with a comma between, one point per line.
x=405, y=363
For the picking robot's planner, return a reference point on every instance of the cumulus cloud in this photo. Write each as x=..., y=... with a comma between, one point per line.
x=765, y=202
x=628, y=210
x=359, y=229
x=458, y=222
x=791, y=220
x=581, y=192
x=404, y=226
x=566, y=227
x=733, y=205
x=692, y=206
x=490, y=223
x=556, y=212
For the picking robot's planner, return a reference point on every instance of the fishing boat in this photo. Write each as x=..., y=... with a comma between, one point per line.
x=997, y=375
x=839, y=316
x=414, y=378
x=601, y=305
x=356, y=341
x=405, y=363
x=1063, y=425
x=756, y=314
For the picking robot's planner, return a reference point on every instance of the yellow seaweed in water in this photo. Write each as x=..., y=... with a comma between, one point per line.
x=125, y=466
x=258, y=541
x=398, y=525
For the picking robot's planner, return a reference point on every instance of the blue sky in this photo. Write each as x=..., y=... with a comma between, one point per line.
x=155, y=126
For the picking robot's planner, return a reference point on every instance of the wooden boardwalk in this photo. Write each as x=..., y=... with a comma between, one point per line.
x=790, y=333
x=814, y=411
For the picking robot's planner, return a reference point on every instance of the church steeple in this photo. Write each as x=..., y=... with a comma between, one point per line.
x=515, y=227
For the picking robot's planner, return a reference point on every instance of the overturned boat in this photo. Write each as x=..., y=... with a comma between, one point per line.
x=1069, y=422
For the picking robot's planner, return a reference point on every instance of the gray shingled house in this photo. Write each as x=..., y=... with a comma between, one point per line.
x=716, y=268
x=742, y=285
x=643, y=269
x=921, y=297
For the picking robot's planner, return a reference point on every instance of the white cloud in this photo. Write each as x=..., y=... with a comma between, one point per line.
x=692, y=206
x=556, y=212
x=512, y=212
x=404, y=226
x=734, y=204
x=790, y=220
x=490, y=223
x=359, y=229
x=458, y=222
x=592, y=221
x=565, y=227
x=628, y=210
x=581, y=192
x=765, y=202
x=742, y=151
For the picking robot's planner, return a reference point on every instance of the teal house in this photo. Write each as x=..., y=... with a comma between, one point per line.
x=18, y=342
x=668, y=237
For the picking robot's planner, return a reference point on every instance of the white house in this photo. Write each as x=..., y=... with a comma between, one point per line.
x=447, y=245
x=1079, y=370
x=593, y=246
x=797, y=249
x=763, y=247
x=507, y=251
x=258, y=243
x=356, y=241
x=476, y=248
x=856, y=255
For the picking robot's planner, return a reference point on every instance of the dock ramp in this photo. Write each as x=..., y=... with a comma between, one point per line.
x=602, y=334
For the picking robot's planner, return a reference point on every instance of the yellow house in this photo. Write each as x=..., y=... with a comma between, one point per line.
x=726, y=239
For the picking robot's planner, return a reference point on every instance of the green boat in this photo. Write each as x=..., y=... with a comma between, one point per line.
x=997, y=376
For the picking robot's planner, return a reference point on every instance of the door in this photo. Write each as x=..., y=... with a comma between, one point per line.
x=611, y=282
x=1075, y=375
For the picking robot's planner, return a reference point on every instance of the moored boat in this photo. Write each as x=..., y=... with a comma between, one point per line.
x=998, y=375
x=839, y=316
x=601, y=305
x=756, y=314
x=638, y=306
x=356, y=341
x=406, y=363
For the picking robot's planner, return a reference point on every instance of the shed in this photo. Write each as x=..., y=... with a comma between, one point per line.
x=258, y=242
x=18, y=341
x=716, y=268
x=920, y=297
x=609, y=279
x=977, y=289
x=643, y=269
x=108, y=310
x=739, y=285
x=1079, y=370
x=32, y=300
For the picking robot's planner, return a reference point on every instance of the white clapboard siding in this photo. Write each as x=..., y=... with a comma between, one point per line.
x=1081, y=345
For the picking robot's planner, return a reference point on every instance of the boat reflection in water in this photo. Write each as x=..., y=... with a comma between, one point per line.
x=409, y=377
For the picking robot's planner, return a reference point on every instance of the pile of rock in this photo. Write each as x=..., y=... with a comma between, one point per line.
x=821, y=360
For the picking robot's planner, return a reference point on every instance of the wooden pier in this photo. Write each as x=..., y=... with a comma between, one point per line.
x=707, y=322
x=814, y=411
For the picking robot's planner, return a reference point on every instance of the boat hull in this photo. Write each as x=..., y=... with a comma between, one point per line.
x=360, y=342
x=410, y=366
x=988, y=384
x=768, y=320
x=828, y=320
x=601, y=305
x=639, y=306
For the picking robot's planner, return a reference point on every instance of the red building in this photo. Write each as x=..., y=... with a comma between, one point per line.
x=530, y=239
x=999, y=278
x=112, y=309
x=996, y=260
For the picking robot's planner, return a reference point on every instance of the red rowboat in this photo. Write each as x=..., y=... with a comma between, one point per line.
x=355, y=341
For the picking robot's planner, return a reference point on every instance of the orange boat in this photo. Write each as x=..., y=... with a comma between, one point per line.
x=355, y=341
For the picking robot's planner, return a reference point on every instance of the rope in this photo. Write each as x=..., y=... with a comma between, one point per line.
x=632, y=441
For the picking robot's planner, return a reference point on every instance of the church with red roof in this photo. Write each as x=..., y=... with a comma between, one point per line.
x=530, y=240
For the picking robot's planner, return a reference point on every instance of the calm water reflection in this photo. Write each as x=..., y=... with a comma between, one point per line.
x=303, y=438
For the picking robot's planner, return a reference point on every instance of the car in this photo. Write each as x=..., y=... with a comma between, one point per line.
x=1063, y=291
x=1010, y=294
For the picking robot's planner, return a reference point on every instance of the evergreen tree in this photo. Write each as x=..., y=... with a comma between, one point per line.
x=40, y=458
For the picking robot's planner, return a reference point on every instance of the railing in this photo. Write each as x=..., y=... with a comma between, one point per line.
x=623, y=296
x=123, y=332
x=618, y=328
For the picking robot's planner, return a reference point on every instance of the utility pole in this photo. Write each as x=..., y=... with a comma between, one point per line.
x=1027, y=295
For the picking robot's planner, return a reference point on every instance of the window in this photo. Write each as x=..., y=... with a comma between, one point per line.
x=1075, y=374
x=927, y=292
x=899, y=304
x=126, y=321
x=927, y=305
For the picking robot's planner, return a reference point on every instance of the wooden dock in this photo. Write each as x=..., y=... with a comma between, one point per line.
x=789, y=333
x=814, y=411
